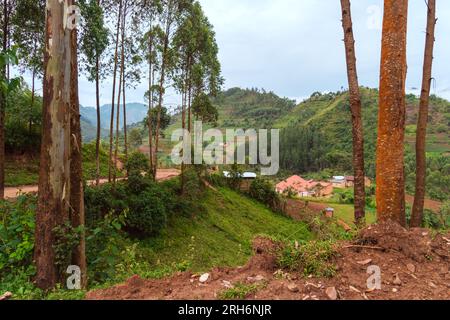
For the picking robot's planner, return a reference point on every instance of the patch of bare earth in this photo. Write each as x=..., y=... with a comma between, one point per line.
x=414, y=265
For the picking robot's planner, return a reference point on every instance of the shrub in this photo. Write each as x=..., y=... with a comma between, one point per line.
x=312, y=258
x=263, y=191
x=102, y=200
x=137, y=163
x=17, y=233
x=148, y=213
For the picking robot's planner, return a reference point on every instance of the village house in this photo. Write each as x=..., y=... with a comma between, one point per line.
x=305, y=188
x=344, y=182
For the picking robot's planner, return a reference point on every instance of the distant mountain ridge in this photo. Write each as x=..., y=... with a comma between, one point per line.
x=136, y=112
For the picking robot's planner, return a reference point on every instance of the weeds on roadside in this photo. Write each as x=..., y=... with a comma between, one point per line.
x=312, y=258
x=241, y=291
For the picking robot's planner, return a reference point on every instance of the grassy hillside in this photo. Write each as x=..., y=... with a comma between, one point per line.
x=222, y=235
x=219, y=236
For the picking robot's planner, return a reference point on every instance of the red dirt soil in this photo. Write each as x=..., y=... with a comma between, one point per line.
x=432, y=205
x=414, y=266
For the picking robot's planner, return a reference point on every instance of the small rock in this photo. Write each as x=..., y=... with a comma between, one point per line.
x=395, y=290
x=7, y=295
x=397, y=281
x=431, y=284
x=365, y=262
x=204, y=278
x=227, y=284
x=411, y=267
x=293, y=288
x=331, y=293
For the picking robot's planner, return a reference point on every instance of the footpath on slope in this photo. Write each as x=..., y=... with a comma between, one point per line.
x=414, y=264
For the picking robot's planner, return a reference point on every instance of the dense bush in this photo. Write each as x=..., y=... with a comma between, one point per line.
x=137, y=163
x=312, y=258
x=17, y=222
x=264, y=191
x=148, y=213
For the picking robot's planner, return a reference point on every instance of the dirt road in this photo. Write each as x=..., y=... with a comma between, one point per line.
x=12, y=192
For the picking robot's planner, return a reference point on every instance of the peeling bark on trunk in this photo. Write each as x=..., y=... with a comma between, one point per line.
x=77, y=213
x=111, y=128
x=355, y=105
x=54, y=185
x=391, y=123
x=421, y=159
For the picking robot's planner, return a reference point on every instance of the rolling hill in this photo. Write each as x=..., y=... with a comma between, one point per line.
x=136, y=112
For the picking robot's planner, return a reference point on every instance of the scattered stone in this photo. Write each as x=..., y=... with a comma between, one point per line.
x=293, y=288
x=364, y=262
x=255, y=279
x=431, y=284
x=411, y=267
x=331, y=293
x=397, y=281
x=306, y=297
x=395, y=290
x=204, y=278
x=308, y=284
x=7, y=295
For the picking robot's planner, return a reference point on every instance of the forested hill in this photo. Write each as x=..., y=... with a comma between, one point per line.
x=316, y=134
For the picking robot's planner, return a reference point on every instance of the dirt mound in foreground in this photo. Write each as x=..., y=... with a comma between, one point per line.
x=413, y=265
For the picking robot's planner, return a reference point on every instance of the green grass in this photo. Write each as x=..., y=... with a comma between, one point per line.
x=219, y=236
x=21, y=173
x=241, y=291
x=223, y=235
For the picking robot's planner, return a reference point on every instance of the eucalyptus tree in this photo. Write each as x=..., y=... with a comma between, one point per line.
x=131, y=57
x=355, y=107
x=390, y=192
x=114, y=9
x=172, y=13
x=94, y=42
x=422, y=122
x=28, y=34
x=76, y=204
x=150, y=43
x=54, y=175
x=7, y=9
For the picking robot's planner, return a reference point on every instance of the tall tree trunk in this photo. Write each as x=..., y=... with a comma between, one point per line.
x=125, y=115
x=111, y=128
x=122, y=65
x=391, y=123
x=421, y=158
x=54, y=173
x=30, y=120
x=355, y=106
x=183, y=125
x=150, y=103
x=160, y=100
x=3, y=103
x=77, y=213
x=99, y=132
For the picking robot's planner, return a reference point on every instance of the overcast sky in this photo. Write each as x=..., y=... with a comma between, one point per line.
x=295, y=47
